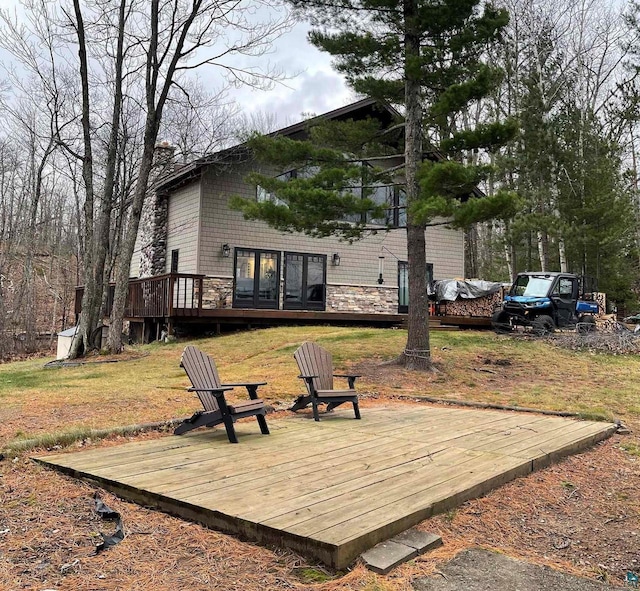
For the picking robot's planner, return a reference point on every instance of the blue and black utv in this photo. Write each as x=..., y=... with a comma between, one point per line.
x=545, y=302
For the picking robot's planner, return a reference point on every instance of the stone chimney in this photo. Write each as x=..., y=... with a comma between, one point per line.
x=163, y=157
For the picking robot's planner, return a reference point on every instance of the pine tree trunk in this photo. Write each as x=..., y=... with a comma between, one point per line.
x=417, y=354
x=471, y=263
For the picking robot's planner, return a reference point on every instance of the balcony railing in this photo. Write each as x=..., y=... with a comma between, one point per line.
x=173, y=294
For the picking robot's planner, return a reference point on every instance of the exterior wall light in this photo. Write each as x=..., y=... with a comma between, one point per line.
x=226, y=250
x=335, y=259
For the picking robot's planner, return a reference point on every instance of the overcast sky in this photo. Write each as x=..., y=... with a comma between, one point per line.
x=312, y=87
x=316, y=87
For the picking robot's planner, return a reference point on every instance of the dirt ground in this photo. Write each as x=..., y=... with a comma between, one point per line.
x=481, y=570
x=581, y=516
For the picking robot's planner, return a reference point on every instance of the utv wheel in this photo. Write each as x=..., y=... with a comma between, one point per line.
x=500, y=322
x=586, y=324
x=542, y=326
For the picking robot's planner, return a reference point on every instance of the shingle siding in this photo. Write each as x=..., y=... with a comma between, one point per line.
x=358, y=261
x=184, y=227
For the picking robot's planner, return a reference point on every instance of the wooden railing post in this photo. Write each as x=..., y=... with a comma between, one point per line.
x=171, y=280
x=160, y=296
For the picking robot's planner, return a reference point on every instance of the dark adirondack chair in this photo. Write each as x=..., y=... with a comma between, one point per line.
x=316, y=369
x=203, y=374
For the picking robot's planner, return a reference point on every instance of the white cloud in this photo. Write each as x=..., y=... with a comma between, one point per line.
x=310, y=92
x=313, y=85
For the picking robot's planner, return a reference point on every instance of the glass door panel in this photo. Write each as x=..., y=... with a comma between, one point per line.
x=245, y=271
x=315, y=281
x=403, y=287
x=294, y=264
x=256, y=279
x=304, y=279
x=403, y=284
x=268, y=280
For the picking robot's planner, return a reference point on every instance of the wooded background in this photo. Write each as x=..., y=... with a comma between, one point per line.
x=570, y=80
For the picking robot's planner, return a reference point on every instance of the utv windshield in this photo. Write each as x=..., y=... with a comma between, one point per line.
x=535, y=286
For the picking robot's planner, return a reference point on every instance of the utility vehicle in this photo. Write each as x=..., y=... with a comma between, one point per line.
x=545, y=302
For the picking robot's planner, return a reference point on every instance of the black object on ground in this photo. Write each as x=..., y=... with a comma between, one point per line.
x=107, y=512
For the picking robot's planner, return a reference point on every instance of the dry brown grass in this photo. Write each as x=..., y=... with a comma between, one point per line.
x=48, y=529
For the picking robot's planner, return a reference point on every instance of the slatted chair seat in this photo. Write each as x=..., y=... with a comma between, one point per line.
x=205, y=381
x=238, y=407
x=316, y=369
x=334, y=393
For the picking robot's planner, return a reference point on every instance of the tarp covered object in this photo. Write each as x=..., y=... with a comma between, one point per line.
x=452, y=289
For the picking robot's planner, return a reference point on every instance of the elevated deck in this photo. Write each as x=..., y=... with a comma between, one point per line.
x=175, y=300
x=331, y=490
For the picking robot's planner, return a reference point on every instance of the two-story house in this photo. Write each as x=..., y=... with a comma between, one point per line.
x=198, y=261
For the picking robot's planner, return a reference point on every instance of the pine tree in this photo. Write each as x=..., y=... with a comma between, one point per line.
x=427, y=57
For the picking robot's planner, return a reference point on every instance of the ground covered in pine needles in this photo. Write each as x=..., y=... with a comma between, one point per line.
x=581, y=515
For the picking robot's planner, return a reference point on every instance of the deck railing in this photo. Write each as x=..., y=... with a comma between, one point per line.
x=173, y=294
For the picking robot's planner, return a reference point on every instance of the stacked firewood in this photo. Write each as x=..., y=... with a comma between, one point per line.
x=478, y=307
x=600, y=299
x=607, y=323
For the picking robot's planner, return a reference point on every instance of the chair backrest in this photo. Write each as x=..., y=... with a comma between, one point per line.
x=314, y=360
x=202, y=373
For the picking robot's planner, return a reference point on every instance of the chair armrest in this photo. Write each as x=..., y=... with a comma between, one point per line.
x=252, y=388
x=351, y=378
x=217, y=392
x=309, y=382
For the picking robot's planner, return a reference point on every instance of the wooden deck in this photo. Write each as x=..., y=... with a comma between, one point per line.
x=176, y=300
x=333, y=489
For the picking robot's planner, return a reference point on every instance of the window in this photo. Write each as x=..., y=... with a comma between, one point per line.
x=564, y=287
x=262, y=195
x=174, y=261
x=536, y=286
x=403, y=284
x=393, y=197
x=304, y=281
x=256, y=279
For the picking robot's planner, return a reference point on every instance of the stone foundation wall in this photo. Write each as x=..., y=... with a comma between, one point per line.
x=363, y=299
x=217, y=292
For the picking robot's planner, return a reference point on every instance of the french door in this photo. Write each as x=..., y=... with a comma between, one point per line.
x=403, y=284
x=304, y=281
x=256, y=281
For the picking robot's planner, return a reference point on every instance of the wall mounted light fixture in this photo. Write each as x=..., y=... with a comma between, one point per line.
x=335, y=259
x=226, y=250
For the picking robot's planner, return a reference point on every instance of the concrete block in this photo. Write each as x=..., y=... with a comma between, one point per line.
x=387, y=555
x=420, y=540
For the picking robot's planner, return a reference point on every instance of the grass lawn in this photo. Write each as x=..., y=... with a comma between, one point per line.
x=477, y=366
x=590, y=500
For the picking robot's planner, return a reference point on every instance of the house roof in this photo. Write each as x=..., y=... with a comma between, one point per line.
x=298, y=131
x=358, y=110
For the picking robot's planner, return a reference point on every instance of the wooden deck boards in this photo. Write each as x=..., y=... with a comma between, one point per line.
x=335, y=488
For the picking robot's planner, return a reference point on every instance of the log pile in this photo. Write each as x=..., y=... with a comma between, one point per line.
x=600, y=299
x=607, y=323
x=479, y=307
